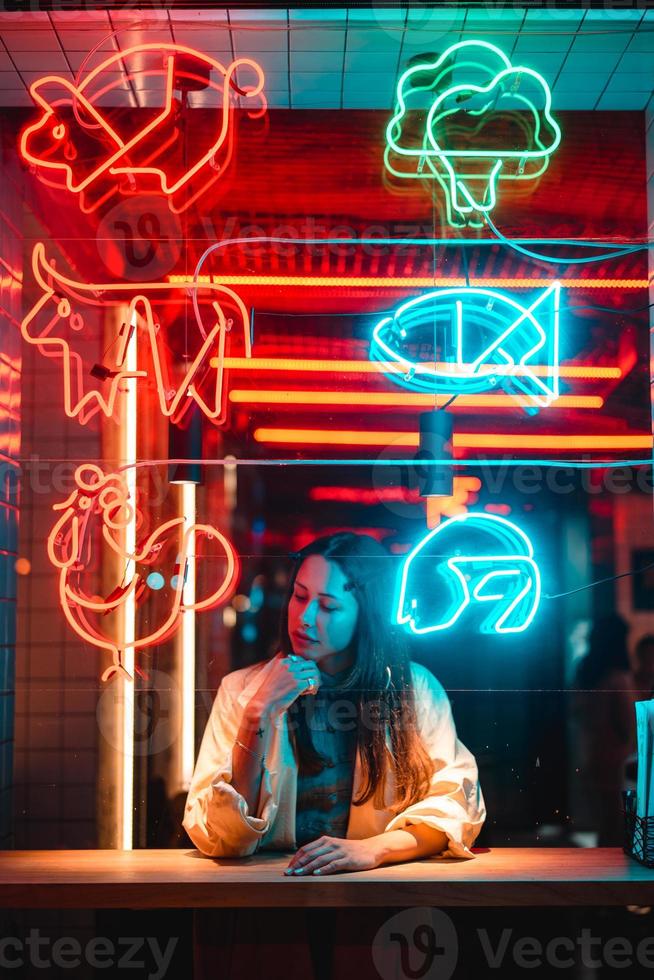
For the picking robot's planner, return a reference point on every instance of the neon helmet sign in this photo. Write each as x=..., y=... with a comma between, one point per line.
x=473, y=562
x=483, y=339
x=486, y=121
x=82, y=143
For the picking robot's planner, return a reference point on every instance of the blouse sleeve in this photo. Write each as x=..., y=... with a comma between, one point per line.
x=216, y=816
x=454, y=804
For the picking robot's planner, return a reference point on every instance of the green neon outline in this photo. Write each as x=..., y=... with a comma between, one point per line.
x=433, y=156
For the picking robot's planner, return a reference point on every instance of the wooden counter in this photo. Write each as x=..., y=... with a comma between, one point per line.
x=186, y=879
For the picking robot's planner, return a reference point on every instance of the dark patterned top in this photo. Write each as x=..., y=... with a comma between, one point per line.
x=323, y=799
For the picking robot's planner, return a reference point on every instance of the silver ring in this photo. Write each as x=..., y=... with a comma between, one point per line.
x=310, y=687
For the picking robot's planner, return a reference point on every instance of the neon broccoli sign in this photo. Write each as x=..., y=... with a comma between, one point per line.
x=487, y=121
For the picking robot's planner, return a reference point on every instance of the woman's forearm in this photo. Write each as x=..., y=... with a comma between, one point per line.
x=248, y=757
x=413, y=841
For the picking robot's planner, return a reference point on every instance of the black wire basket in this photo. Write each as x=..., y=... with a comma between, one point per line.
x=639, y=838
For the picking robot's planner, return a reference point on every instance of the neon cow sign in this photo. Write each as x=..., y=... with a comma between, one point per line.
x=57, y=322
x=79, y=144
x=485, y=339
x=471, y=559
x=103, y=499
x=487, y=121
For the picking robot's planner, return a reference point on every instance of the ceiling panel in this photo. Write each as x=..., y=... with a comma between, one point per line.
x=317, y=40
x=323, y=16
x=84, y=40
x=591, y=59
x=328, y=61
x=249, y=42
x=30, y=40
x=272, y=62
x=329, y=99
x=373, y=40
x=278, y=99
x=585, y=82
x=616, y=100
x=428, y=42
x=11, y=80
x=384, y=61
x=44, y=61
x=197, y=17
x=89, y=59
x=427, y=19
x=591, y=62
x=533, y=41
x=640, y=61
x=302, y=82
x=213, y=38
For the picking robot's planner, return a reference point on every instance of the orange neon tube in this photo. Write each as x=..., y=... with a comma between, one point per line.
x=461, y=440
x=582, y=372
x=408, y=400
x=410, y=282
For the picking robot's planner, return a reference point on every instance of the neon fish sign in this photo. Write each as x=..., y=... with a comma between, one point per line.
x=101, y=501
x=78, y=144
x=485, y=338
x=486, y=121
x=61, y=320
x=470, y=560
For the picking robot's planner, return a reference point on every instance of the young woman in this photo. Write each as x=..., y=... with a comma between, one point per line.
x=339, y=750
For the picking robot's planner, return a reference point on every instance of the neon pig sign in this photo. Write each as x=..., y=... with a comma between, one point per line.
x=470, y=560
x=62, y=318
x=486, y=339
x=486, y=121
x=101, y=503
x=79, y=143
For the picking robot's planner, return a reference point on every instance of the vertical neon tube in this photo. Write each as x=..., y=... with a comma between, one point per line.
x=129, y=426
x=188, y=642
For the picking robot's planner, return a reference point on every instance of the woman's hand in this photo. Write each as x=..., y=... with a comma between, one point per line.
x=288, y=678
x=330, y=854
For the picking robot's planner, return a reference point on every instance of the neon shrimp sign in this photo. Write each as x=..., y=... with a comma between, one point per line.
x=101, y=503
x=80, y=144
x=65, y=310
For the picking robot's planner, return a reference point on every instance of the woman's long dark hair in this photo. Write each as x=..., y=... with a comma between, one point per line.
x=379, y=683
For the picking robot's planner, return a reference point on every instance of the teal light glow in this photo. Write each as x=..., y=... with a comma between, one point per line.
x=469, y=559
x=461, y=145
x=472, y=332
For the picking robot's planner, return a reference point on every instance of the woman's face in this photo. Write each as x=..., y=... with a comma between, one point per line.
x=322, y=616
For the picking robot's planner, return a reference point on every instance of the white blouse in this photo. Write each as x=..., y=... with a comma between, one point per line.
x=217, y=817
